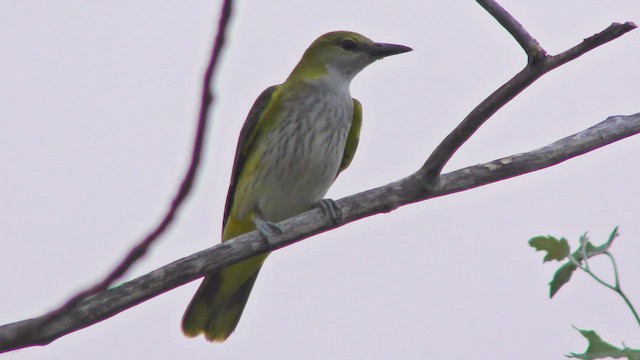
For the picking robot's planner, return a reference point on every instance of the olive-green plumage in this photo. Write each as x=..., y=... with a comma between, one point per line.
x=297, y=138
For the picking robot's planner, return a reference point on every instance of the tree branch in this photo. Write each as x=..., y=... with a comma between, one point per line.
x=403, y=192
x=426, y=183
x=539, y=64
x=140, y=249
x=531, y=47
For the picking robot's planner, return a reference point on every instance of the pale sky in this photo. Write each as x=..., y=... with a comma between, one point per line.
x=97, y=110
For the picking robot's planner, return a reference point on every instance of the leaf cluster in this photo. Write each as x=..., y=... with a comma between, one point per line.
x=559, y=250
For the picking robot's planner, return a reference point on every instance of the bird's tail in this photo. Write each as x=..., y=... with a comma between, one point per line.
x=217, y=306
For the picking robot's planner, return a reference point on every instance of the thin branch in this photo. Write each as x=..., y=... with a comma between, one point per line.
x=586, y=269
x=600, y=250
x=532, y=71
x=111, y=302
x=614, y=128
x=616, y=276
x=531, y=47
x=140, y=249
x=629, y=305
x=613, y=32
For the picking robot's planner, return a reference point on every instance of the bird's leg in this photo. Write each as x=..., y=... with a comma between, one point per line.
x=330, y=208
x=267, y=229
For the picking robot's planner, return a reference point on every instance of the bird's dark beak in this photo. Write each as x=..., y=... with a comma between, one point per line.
x=380, y=50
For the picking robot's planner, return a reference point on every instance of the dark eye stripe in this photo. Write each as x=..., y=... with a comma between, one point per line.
x=348, y=44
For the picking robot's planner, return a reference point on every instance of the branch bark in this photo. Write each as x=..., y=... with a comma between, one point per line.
x=97, y=304
x=538, y=64
x=379, y=200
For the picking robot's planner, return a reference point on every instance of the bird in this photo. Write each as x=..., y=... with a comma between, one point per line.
x=296, y=139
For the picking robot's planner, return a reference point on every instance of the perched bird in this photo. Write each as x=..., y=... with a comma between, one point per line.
x=297, y=138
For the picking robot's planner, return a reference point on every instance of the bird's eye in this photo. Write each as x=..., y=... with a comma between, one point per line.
x=348, y=44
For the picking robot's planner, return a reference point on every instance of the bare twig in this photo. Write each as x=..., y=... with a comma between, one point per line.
x=613, y=32
x=532, y=71
x=140, y=249
x=534, y=51
x=587, y=251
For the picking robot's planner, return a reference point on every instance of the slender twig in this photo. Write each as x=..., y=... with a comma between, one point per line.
x=616, y=278
x=585, y=267
x=532, y=71
x=615, y=287
x=613, y=32
x=534, y=51
x=186, y=185
x=629, y=305
x=481, y=113
x=583, y=264
x=140, y=249
x=583, y=250
x=618, y=288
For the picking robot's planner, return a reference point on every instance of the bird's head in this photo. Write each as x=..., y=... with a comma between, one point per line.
x=345, y=53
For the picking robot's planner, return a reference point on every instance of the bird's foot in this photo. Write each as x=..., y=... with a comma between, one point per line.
x=268, y=229
x=330, y=208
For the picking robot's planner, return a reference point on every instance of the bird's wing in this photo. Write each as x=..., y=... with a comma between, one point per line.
x=248, y=135
x=353, y=138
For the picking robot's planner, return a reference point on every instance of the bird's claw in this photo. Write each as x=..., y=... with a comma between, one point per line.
x=330, y=208
x=267, y=229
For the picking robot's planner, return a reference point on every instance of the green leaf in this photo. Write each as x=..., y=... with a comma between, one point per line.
x=587, y=246
x=599, y=349
x=556, y=249
x=614, y=234
x=631, y=354
x=561, y=277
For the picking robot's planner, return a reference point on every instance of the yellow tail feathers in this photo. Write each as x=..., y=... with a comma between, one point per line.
x=217, y=306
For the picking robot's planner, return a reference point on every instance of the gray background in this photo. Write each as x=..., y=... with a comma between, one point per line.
x=97, y=110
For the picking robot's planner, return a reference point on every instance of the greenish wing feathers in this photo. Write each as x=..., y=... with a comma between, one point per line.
x=248, y=135
x=353, y=137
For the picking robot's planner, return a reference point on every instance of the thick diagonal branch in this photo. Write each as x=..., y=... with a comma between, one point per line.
x=110, y=302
